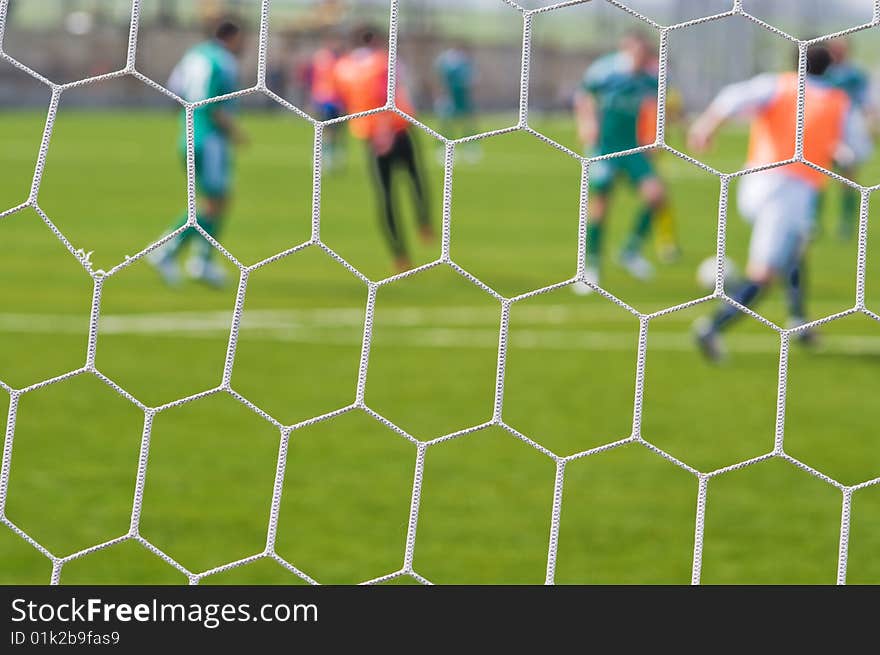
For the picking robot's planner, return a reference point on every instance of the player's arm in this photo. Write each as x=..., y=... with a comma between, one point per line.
x=861, y=89
x=382, y=137
x=225, y=81
x=176, y=81
x=586, y=118
x=586, y=111
x=743, y=99
x=223, y=113
x=227, y=123
x=855, y=145
x=862, y=98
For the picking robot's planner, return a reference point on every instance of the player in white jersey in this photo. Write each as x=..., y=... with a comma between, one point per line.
x=780, y=202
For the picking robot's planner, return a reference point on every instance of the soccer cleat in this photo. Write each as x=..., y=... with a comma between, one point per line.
x=402, y=264
x=166, y=265
x=427, y=234
x=636, y=265
x=472, y=153
x=204, y=270
x=808, y=337
x=708, y=341
x=582, y=288
x=666, y=240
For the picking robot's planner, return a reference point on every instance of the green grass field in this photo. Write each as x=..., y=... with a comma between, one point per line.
x=112, y=182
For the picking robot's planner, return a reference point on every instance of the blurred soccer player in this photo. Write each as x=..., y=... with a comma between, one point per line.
x=325, y=97
x=362, y=79
x=207, y=70
x=455, y=70
x=843, y=74
x=780, y=202
x=618, y=92
x=664, y=224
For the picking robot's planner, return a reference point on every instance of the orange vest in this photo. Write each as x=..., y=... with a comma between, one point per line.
x=774, y=128
x=362, y=83
x=646, y=125
x=323, y=85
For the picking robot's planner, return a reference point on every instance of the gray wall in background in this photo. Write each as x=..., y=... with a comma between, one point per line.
x=702, y=59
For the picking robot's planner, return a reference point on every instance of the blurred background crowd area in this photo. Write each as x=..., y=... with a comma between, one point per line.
x=67, y=40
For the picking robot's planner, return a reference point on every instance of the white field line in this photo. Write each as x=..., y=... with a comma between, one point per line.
x=566, y=340
x=177, y=322
x=550, y=327
x=414, y=316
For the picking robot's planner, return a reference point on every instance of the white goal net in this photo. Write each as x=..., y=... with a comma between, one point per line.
x=703, y=480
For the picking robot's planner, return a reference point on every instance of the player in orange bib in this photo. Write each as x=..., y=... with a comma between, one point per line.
x=780, y=202
x=362, y=81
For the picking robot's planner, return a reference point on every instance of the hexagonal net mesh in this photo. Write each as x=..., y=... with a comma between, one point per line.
x=702, y=479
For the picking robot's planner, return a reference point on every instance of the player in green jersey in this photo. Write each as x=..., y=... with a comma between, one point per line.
x=457, y=75
x=619, y=91
x=207, y=70
x=845, y=75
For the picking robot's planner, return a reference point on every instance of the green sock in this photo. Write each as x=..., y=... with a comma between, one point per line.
x=850, y=202
x=640, y=229
x=594, y=244
x=175, y=245
x=203, y=247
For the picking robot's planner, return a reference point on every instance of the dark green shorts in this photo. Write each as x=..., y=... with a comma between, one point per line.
x=459, y=103
x=636, y=168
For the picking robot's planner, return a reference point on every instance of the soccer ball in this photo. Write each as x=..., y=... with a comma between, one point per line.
x=708, y=269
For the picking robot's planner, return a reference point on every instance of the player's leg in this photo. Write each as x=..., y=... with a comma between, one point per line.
x=602, y=175
x=652, y=193
x=760, y=273
x=795, y=282
x=850, y=201
x=213, y=182
x=666, y=235
x=201, y=265
x=382, y=166
x=465, y=112
x=407, y=156
x=795, y=292
x=779, y=236
x=443, y=110
x=331, y=156
x=164, y=258
x=339, y=134
x=821, y=200
x=473, y=150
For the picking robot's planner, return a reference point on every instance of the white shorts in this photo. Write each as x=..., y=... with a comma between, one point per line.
x=782, y=211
